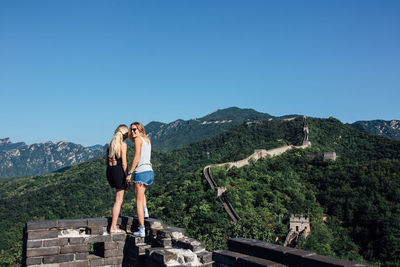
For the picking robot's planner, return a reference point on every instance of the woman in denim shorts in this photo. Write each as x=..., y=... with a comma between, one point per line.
x=143, y=172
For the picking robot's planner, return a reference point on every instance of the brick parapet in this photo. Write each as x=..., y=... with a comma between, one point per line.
x=86, y=242
x=250, y=252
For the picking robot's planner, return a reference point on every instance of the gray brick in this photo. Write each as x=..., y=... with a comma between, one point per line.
x=190, y=243
x=35, y=225
x=242, y=245
x=34, y=243
x=33, y=252
x=81, y=256
x=204, y=257
x=94, y=230
x=110, y=245
x=99, y=238
x=76, y=223
x=96, y=261
x=97, y=222
x=113, y=253
x=78, y=240
x=118, y=237
x=75, y=264
x=74, y=248
x=42, y=234
x=270, y=251
x=226, y=257
x=55, y=242
x=121, y=244
x=152, y=223
x=113, y=261
x=162, y=242
x=293, y=257
x=58, y=258
x=34, y=261
x=163, y=256
x=170, y=232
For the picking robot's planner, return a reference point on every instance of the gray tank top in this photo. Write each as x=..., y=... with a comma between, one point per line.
x=144, y=163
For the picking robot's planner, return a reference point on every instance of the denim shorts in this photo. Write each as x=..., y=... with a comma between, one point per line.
x=145, y=178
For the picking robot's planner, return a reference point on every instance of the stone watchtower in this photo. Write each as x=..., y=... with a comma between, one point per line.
x=300, y=223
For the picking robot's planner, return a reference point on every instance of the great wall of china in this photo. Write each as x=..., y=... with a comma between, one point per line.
x=258, y=154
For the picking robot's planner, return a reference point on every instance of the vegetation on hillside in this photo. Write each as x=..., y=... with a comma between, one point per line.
x=359, y=192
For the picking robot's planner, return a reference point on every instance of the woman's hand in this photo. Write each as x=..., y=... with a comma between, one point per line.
x=128, y=178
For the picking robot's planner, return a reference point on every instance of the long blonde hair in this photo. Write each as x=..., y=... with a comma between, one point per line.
x=142, y=131
x=120, y=134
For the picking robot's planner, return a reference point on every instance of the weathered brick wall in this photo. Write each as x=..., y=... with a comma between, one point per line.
x=250, y=252
x=86, y=242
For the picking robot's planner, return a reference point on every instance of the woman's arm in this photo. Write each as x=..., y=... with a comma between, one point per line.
x=123, y=156
x=138, y=147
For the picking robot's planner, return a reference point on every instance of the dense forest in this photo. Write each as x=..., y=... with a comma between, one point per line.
x=359, y=192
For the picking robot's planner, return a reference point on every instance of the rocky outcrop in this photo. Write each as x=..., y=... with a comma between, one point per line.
x=19, y=159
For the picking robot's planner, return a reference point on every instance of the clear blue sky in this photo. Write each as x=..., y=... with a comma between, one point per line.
x=74, y=70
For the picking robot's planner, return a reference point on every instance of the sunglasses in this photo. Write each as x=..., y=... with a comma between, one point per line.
x=133, y=129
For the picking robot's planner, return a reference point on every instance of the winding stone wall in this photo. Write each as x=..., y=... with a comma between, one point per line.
x=86, y=242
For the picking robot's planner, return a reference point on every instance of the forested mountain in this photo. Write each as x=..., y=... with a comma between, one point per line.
x=169, y=136
x=359, y=192
x=20, y=159
x=389, y=129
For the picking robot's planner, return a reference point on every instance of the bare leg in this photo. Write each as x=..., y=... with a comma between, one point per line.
x=144, y=200
x=139, y=192
x=119, y=198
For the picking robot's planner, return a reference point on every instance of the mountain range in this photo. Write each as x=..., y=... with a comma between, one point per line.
x=389, y=129
x=20, y=159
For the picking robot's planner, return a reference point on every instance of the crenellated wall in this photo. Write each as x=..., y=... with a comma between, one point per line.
x=86, y=242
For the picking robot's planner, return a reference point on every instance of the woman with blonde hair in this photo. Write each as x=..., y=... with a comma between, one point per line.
x=116, y=171
x=143, y=172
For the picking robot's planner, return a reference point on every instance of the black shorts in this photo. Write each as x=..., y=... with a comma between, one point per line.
x=116, y=177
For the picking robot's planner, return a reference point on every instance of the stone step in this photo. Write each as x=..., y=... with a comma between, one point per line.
x=235, y=259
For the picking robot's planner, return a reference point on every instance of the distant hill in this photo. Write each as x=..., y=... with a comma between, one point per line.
x=169, y=136
x=20, y=159
x=389, y=129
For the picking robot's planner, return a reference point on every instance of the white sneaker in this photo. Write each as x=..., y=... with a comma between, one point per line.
x=146, y=212
x=141, y=232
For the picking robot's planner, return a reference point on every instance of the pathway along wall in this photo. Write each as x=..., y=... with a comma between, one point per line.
x=86, y=242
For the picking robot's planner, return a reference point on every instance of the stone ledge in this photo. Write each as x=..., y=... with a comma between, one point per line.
x=35, y=225
x=74, y=223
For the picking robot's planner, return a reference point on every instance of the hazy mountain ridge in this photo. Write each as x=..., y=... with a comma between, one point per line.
x=20, y=159
x=389, y=129
x=169, y=136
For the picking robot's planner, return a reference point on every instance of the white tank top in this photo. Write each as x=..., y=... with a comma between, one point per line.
x=144, y=163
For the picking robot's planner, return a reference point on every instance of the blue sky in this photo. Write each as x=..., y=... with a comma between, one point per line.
x=73, y=70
